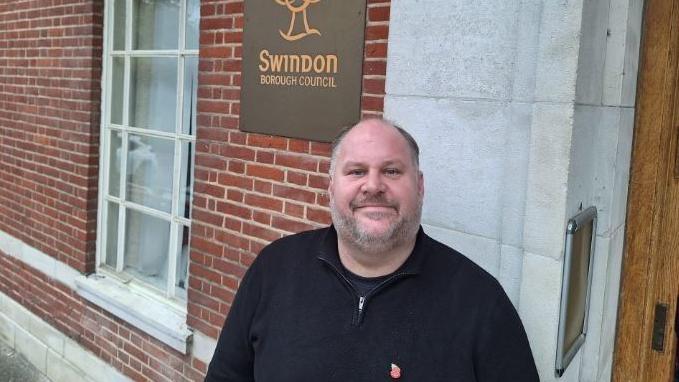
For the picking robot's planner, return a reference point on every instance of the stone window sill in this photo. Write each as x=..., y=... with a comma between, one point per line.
x=159, y=319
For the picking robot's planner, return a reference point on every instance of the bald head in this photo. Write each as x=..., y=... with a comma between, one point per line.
x=375, y=124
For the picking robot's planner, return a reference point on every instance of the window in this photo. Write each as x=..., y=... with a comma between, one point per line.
x=148, y=139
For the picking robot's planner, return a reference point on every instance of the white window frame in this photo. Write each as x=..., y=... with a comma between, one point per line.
x=158, y=312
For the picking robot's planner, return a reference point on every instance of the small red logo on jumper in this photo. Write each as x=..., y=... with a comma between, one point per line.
x=395, y=371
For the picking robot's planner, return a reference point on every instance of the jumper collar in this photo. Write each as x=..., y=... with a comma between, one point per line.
x=327, y=251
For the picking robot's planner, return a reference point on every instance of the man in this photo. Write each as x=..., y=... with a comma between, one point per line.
x=372, y=297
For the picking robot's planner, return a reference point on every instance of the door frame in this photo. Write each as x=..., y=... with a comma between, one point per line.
x=655, y=99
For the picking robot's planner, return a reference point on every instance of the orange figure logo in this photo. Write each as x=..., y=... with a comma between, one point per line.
x=290, y=4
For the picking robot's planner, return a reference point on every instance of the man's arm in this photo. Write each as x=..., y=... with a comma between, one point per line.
x=503, y=352
x=234, y=356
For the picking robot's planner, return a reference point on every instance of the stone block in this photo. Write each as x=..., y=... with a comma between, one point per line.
x=463, y=159
x=528, y=33
x=7, y=330
x=95, y=369
x=464, y=49
x=483, y=251
x=515, y=174
x=590, y=349
x=539, y=308
x=17, y=313
x=592, y=55
x=593, y=162
x=60, y=370
x=511, y=263
x=614, y=66
x=47, y=334
x=31, y=348
x=558, y=48
x=622, y=168
x=203, y=346
x=632, y=50
x=546, y=193
x=610, y=303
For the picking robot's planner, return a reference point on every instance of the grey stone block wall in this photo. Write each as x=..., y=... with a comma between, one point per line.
x=524, y=110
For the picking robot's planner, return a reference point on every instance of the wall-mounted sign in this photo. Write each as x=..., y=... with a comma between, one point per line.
x=302, y=67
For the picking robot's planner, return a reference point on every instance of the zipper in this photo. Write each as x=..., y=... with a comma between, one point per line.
x=362, y=300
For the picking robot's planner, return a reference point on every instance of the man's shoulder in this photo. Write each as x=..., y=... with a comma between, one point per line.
x=310, y=238
x=294, y=247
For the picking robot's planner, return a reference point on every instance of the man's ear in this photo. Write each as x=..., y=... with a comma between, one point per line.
x=420, y=184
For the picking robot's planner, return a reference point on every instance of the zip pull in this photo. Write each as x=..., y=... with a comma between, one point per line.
x=361, y=305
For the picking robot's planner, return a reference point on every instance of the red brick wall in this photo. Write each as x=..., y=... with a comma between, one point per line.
x=133, y=352
x=251, y=188
x=50, y=70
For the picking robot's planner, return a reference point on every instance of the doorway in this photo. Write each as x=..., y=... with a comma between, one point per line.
x=646, y=339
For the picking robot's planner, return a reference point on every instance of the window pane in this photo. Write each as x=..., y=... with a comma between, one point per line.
x=149, y=171
x=146, y=246
x=192, y=23
x=114, y=159
x=153, y=93
x=156, y=24
x=112, y=235
x=186, y=180
x=119, y=25
x=190, y=95
x=117, y=89
x=182, y=261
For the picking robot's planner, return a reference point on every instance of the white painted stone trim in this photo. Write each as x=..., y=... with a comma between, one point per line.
x=48, y=265
x=54, y=354
x=203, y=347
x=154, y=317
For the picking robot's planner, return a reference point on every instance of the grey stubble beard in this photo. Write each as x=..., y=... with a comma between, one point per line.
x=399, y=232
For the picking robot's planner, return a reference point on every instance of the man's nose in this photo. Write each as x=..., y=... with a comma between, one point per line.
x=373, y=183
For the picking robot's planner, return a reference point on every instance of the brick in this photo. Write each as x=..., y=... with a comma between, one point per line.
x=296, y=178
x=318, y=215
x=372, y=103
x=265, y=157
x=234, y=210
x=264, y=202
x=238, y=152
x=265, y=172
x=260, y=232
x=298, y=146
x=296, y=161
x=289, y=225
x=261, y=217
x=295, y=210
x=293, y=193
x=373, y=86
x=267, y=141
x=374, y=68
x=320, y=148
x=319, y=181
x=376, y=32
x=378, y=13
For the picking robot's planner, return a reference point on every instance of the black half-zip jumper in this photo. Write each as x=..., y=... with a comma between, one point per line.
x=439, y=317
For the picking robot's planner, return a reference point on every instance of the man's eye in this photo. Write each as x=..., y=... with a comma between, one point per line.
x=356, y=172
x=392, y=172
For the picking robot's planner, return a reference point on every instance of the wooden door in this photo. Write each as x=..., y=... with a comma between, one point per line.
x=650, y=279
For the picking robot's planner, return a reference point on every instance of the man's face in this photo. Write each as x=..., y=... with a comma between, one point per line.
x=375, y=189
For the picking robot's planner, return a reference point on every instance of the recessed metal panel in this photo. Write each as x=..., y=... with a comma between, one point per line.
x=576, y=286
x=302, y=67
